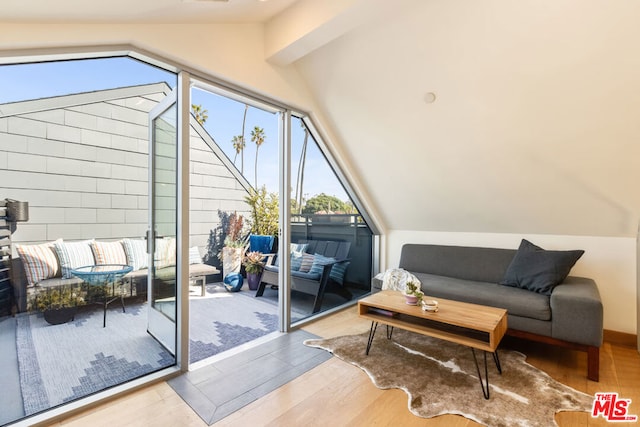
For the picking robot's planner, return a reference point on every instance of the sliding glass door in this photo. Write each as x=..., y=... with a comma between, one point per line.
x=161, y=237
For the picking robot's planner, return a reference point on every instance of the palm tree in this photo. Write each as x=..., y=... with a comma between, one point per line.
x=257, y=136
x=238, y=145
x=199, y=113
x=238, y=142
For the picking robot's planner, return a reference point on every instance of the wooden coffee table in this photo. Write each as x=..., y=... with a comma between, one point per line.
x=475, y=326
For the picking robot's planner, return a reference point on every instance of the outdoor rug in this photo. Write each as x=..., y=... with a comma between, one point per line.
x=61, y=363
x=224, y=320
x=441, y=378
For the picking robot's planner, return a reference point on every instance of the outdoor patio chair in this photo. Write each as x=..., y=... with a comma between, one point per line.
x=326, y=273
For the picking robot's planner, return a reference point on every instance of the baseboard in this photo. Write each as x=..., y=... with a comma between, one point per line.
x=621, y=338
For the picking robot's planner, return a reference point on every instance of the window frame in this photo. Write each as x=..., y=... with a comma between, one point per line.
x=188, y=77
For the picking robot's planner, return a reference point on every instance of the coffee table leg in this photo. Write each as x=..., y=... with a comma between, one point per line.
x=389, y=332
x=372, y=332
x=497, y=360
x=483, y=384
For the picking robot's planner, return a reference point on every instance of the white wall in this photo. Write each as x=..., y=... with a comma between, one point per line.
x=609, y=261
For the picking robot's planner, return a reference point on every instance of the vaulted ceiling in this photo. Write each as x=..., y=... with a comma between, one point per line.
x=452, y=115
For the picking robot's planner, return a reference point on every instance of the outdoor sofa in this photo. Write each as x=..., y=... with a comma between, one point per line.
x=49, y=265
x=543, y=303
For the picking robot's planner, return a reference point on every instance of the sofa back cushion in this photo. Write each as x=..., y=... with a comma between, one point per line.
x=109, y=252
x=40, y=262
x=136, y=252
x=461, y=262
x=73, y=255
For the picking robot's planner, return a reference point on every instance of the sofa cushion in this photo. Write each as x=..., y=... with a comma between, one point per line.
x=338, y=271
x=40, y=262
x=319, y=261
x=302, y=275
x=307, y=262
x=194, y=255
x=165, y=253
x=310, y=275
x=136, y=251
x=538, y=270
x=109, y=252
x=73, y=255
x=462, y=262
x=516, y=301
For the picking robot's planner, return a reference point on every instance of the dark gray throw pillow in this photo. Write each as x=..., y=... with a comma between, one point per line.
x=538, y=270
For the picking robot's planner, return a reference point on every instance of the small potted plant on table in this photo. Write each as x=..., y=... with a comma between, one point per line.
x=254, y=266
x=412, y=294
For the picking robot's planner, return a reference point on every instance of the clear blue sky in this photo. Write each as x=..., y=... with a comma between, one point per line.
x=33, y=81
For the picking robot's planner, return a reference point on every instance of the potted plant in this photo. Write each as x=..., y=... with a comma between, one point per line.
x=254, y=266
x=234, y=245
x=59, y=304
x=412, y=294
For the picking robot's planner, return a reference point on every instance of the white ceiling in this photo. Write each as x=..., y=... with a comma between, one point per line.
x=152, y=11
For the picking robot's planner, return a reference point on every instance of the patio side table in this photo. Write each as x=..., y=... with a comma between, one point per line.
x=104, y=275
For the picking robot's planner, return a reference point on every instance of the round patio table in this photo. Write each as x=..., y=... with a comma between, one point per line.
x=104, y=275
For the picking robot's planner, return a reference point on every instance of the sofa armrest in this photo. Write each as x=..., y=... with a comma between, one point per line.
x=576, y=312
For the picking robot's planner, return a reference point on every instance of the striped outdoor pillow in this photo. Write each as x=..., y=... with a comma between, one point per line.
x=136, y=252
x=338, y=270
x=39, y=261
x=319, y=261
x=194, y=255
x=165, y=254
x=109, y=252
x=73, y=255
x=307, y=262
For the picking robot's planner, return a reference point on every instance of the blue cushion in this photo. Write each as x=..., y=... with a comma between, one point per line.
x=273, y=268
x=310, y=276
x=319, y=261
x=338, y=270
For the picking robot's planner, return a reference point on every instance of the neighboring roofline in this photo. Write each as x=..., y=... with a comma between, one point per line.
x=65, y=101
x=215, y=148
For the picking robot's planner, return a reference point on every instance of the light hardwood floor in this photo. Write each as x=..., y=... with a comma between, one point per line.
x=338, y=394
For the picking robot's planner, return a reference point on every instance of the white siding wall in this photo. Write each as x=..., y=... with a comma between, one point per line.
x=84, y=171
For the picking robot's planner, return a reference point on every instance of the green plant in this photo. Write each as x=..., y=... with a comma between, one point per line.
x=59, y=297
x=234, y=236
x=413, y=289
x=264, y=211
x=253, y=262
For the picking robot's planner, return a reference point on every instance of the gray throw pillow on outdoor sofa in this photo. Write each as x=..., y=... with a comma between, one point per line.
x=538, y=270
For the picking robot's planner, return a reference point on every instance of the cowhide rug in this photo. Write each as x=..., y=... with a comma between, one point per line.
x=441, y=378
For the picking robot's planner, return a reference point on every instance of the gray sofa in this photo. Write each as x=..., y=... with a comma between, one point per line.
x=571, y=316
